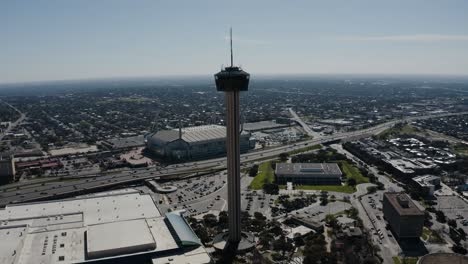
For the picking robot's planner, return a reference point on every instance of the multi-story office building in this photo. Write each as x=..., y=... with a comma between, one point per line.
x=405, y=218
x=308, y=173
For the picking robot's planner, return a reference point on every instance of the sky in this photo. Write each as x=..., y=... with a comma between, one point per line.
x=87, y=39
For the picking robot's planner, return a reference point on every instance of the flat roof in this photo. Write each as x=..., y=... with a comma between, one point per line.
x=398, y=199
x=425, y=180
x=98, y=226
x=118, y=238
x=308, y=169
x=97, y=209
x=263, y=125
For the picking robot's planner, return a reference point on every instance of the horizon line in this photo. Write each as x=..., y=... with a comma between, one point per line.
x=171, y=76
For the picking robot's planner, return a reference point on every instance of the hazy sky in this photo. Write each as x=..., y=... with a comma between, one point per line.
x=65, y=39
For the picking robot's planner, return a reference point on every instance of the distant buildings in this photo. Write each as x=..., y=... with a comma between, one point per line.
x=40, y=164
x=117, y=227
x=404, y=217
x=193, y=142
x=308, y=173
x=427, y=184
x=7, y=169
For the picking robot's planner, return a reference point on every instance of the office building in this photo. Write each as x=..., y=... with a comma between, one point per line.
x=308, y=173
x=427, y=184
x=405, y=218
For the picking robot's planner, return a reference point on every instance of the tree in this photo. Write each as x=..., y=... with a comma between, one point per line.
x=298, y=240
x=380, y=186
x=283, y=156
x=223, y=220
x=253, y=171
x=210, y=220
x=352, y=213
x=452, y=223
x=331, y=220
x=271, y=188
x=440, y=216
x=351, y=182
x=264, y=239
x=371, y=189
x=282, y=244
x=459, y=249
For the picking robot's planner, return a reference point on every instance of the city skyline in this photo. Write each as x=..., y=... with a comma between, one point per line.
x=53, y=40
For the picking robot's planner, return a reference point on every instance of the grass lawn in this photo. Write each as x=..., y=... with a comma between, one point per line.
x=436, y=238
x=352, y=172
x=461, y=149
x=426, y=233
x=431, y=236
x=329, y=188
x=407, y=260
x=265, y=175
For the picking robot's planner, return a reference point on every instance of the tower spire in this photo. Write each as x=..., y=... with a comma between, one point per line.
x=232, y=58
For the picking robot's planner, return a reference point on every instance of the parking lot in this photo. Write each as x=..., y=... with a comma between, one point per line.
x=380, y=234
x=317, y=212
x=454, y=208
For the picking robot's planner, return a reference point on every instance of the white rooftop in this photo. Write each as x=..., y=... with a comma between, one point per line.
x=115, y=224
x=97, y=209
x=119, y=238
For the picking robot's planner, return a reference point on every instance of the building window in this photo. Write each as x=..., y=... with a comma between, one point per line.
x=61, y=258
x=62, y=245
x=64, y=233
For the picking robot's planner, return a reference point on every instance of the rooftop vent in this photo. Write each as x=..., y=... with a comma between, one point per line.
x=403, y=200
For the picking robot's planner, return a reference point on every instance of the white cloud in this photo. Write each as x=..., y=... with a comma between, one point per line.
x=402, y=38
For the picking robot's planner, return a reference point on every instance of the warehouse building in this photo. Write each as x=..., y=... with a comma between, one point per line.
x=112, y=227
x=193, y=143
x=405, y=218
x=308, y=173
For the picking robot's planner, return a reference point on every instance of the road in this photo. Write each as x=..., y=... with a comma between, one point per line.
x=307, y=129
x=102, y=181
x=13, y=124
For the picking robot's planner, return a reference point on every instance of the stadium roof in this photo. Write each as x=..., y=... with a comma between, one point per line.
x=193, y=134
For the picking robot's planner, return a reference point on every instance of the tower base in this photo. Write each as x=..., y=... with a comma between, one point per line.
x=221, y=243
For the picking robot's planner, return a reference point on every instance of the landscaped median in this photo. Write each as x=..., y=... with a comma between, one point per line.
x=265, y=175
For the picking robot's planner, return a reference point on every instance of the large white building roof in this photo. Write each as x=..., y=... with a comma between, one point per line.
x=116, y=224
x=193, y=134
x=118, y=238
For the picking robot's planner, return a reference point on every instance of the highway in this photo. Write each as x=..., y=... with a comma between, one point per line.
x=13, y=124
x=33, y=192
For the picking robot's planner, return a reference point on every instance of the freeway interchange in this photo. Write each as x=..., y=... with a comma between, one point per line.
x=15, y=193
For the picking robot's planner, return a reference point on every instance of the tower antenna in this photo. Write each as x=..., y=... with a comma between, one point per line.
x=230, y=31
